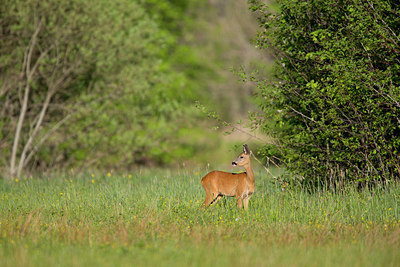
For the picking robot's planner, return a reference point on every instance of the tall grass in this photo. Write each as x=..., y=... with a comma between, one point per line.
x=155, y=218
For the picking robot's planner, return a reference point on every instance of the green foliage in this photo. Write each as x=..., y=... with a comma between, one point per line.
x=335, y=102
x=119, y=97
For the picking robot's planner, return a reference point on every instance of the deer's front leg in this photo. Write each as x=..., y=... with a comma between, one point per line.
x=239, y=202
x=246, y=202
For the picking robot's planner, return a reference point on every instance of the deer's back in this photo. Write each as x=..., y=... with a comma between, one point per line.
x=224, y=183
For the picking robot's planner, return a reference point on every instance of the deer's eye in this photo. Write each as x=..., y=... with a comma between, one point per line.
x=241, y=157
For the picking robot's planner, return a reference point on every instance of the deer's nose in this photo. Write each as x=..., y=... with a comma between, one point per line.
x=234, y=163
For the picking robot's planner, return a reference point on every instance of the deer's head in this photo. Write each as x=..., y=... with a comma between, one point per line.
x=243, y=158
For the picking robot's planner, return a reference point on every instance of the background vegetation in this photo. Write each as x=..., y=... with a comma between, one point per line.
x=98, y=104
x=113, y=85
x=334, y=105
x=109, y=85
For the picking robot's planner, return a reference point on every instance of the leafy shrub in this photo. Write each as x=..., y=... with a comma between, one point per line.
x=335, y=102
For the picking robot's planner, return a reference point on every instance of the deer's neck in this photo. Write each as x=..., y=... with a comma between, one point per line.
x=250, y=173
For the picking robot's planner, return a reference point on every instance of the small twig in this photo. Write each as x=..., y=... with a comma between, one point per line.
x=251, y=152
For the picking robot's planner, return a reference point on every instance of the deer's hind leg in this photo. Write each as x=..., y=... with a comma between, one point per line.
x=207, y=201
x=209, y=195
x=211, y=199
x=215, y=200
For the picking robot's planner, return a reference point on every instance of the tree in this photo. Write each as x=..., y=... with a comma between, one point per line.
x=40, y=60
x=82, y=81
x=334, y=104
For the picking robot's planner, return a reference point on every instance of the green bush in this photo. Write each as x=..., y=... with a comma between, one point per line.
x=91, y=84
x=335, y=102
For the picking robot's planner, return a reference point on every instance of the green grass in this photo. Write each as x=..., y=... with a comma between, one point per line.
x=154, y=218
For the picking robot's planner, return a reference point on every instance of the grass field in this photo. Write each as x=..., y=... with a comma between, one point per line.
x=153, y=218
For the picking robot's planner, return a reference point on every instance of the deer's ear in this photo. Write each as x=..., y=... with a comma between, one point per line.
x=246, y=149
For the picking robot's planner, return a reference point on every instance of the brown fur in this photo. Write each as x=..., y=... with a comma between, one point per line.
x=241, y=185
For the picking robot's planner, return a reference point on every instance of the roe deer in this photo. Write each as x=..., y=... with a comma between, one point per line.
x=239, y=185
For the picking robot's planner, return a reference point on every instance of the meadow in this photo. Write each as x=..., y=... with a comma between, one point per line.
x=153, y=217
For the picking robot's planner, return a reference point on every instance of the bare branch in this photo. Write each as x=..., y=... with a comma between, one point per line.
x=35, y=132
x=44, y=137
x=24, y=103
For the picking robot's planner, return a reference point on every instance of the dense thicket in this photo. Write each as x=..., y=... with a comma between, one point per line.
x=335, y=103
x=92, y=84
